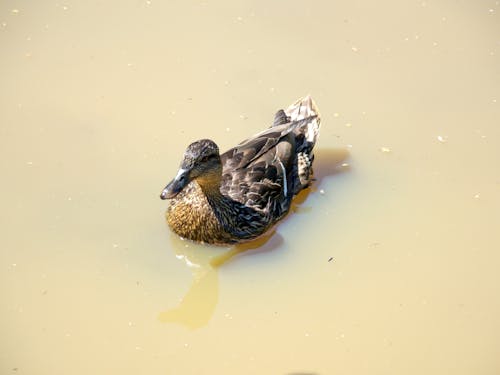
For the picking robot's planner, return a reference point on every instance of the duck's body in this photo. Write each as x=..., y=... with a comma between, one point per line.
x=239, y=195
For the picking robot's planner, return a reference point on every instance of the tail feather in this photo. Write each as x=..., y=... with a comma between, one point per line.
x=305, y=112
x=305, y=109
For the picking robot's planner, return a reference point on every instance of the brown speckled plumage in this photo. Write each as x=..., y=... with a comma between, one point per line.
x=239, y=195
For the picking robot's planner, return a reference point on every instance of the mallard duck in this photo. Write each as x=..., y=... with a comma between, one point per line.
x=238, y=195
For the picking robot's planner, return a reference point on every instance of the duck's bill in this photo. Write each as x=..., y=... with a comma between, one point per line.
x=175, y=186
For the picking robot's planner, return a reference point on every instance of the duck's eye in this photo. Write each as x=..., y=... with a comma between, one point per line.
x=205, y=158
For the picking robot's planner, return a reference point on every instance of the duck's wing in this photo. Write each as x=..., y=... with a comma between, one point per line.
x=261, y=171
x=255, y=173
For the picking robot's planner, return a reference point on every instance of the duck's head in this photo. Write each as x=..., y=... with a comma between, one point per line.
x=201, y=162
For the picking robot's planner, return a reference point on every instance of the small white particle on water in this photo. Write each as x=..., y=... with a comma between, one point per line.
x=138, y=348
x=491, y=10
x=15, y=11
x=348, y=146
x=29, y=162
x=186, y=345
x=434, y=44
x=191, y=264
x=354, y=49
x=130, y=324
x=115, y=245
x=348, y=125
x=477, y=195
x=243, y=117
x=272, y=89
x=69, y=198
x=306, y=334
x=385, y=149
x=441, y=139
x=65, y=7
x=322, y=192
x=239, y=18
x=228, y=129
x=336, y=114
x=494, y=100
x=344, y=165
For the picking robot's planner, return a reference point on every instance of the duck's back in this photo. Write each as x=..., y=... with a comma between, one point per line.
x=265, y=171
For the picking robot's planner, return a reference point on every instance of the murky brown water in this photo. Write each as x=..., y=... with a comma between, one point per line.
x=389, y=265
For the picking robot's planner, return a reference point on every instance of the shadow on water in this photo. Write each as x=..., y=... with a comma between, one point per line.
x=198, y=305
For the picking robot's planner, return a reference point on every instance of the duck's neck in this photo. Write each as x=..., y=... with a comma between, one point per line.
x=210, y=185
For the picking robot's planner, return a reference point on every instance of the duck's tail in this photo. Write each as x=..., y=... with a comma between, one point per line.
x=304, y=117
x=304, y=110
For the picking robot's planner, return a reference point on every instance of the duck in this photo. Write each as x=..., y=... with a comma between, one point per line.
x=239, y=195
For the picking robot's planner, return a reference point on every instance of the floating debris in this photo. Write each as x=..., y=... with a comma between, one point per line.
x=442, y=139
x=336, y=114
x=330, y=259
x=477, y=196
x=354, y=49
x=348, y=125
x=15, y=11
x=322, y=192
x=344, y=165
x=385, y=149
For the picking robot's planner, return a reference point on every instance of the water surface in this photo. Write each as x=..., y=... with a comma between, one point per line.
x=387, y=265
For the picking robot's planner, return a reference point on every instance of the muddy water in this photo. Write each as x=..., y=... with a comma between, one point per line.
x=388, y=265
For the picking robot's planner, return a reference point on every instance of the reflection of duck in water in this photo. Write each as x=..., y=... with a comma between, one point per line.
x=198, y=305
x=239, y=195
